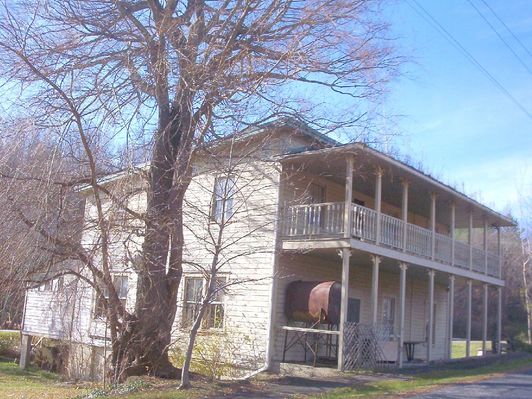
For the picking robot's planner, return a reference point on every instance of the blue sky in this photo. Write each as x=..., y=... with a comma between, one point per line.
x=453, y=118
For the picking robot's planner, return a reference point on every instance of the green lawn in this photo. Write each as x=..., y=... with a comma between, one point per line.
x=459, y=348
x=33, y=383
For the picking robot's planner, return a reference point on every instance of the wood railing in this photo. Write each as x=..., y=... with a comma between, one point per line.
x=326, y=220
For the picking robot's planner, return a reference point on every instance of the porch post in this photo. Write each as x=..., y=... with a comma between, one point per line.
x=453, y=224
x=468, y=326
x=485, y=245
x=499, y=252
x=470, y=240
x=348, y=214
x=451, y=317
x=485, y=320
x=431, y=315
x=499, y=319
x=402, y=295
x=378, y=203
x=25, y=351
x=433, y=224
x=404, y=214
x=346, y=253
x=375, y=288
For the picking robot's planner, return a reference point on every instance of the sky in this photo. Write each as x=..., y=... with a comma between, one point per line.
x=450, y=116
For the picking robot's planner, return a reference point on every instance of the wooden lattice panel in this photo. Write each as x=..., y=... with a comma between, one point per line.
x=363, y=346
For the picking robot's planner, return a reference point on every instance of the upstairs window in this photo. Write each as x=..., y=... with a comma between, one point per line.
x=121, y=288
x=193, y=297
x=55, y=285
x=223, y=199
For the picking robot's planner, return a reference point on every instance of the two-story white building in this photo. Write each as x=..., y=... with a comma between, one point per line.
x=305, y=208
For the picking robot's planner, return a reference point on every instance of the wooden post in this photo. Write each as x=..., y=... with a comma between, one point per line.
x=402, y=296
x=25, y=351
x=499, y=251
x=404, y=214
x=485, y=244
x=485, y=320
x=468, y=326
x=346, y=253
x=453, y=231
x=378, y=204
x=348, y=214
x=431, y=315
x=470, y=240
x=451, y=317
x=433, y=225
x=499, y=319
x=375, y=288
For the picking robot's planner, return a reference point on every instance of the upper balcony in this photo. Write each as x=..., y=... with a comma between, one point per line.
x=354, y=196
x=327, y=220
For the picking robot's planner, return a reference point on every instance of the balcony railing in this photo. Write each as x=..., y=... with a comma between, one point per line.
x=326, y=220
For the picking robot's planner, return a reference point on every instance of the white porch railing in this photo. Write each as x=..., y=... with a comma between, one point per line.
x=327, y=220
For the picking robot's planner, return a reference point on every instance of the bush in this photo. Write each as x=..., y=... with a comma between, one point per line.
x=212, y=355
x=9, y=343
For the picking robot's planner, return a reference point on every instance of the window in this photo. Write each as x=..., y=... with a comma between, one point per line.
x=55, y=285
x=121, y=287
x=315, y=194
x=388, y=314
x=193, y=297
x=353, y=310
x=224, y=191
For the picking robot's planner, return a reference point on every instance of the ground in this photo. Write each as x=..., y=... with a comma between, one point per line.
x=478, y=373
x=513, y=385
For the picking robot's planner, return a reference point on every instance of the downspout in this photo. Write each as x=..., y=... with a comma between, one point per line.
x=271, y=325
x=273, y=293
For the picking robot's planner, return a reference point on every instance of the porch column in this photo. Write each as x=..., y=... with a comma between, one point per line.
x=402, y=296
x=499, y=252
x=348, y=214
x=453, y=233
x=404, y=213
x=433, y=224
x=346, y=253
x=485, y=245
x=451, y=317
x=25, y=351
x=470, y=240
x=485, y=320
x=499, y=319
x=468, y=325
x=431, y=315
x=375, y=288
x=378, y=203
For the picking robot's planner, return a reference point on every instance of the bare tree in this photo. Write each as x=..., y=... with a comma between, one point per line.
x=161, y=75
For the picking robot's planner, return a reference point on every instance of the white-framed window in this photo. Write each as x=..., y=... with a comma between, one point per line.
x=223, y=199
x=120, y=282
x=54, y=285
x=193, y=297
x=388, y=314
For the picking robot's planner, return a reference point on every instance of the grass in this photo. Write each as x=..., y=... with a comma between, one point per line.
x=33, y=383
x=426, y=381
x=459, y=348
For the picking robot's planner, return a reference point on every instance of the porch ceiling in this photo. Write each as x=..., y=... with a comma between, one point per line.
x=331, y=164
x=361, y=260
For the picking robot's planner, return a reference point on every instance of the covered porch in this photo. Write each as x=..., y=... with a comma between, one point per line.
x=403, y=313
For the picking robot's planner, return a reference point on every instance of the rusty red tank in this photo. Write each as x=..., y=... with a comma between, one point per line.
x=313, y=301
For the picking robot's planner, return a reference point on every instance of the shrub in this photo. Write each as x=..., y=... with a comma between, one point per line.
x=9, y=343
